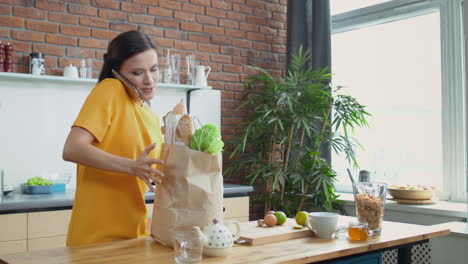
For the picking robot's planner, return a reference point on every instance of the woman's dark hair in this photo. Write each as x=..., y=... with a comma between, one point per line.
x=122, y=47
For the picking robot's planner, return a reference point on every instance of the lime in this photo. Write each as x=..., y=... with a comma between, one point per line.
x=301, y=218
x=281, y=217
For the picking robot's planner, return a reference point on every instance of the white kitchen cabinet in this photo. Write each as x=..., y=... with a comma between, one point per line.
x=13, y=233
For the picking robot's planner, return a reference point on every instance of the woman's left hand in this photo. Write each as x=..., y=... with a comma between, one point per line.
x=145, y=171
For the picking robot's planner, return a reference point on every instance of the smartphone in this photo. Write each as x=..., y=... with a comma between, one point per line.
x=131, y=90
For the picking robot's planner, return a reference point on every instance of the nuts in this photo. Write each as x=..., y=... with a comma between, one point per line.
x=369, y=209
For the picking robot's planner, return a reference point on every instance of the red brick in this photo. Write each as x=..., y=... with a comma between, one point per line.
x=262, y=13
x=215, y=12
x=4, y=32
x=242, y=9
x=185, y=45
x=12, y=22
x=231, y=121
x=167, y=23
x=193, y=9
x=48, y=49
x=20, y=46
x=17, y=2
x=248, y=27
x=184, y=16
x=255, y=36
x=279, y=49
x=28, y=12
x=50, y=5
x=228, y=77
x=146, y=2
x=18, y=58
x=282, y=33
x=111, y=4
x=153, y=31
x=63, y=18
x=268, y=30
x=221, y=5
x=201, y=56
x=191, y=27
x=227, y=95
x=207, y=20
x=242, y=43
x=221, y=58
x=77, y=1
x=255, y=3
x=232, y=68
x=122, y=27
x=82, y=10
x=213, y=30
x=208, y=48
x=280, y=17
x=80, y=52
x=199, y=38
x=92, y=43
x=158, y=11
x=170, y=4
x=201, y=2
x=261, y=46
x=276, y=8
x=64, y=62
x=216, y=67
x=163, y=42
x=239, y=60
x=220, y=40
x=103, y=34
x=42, y=26
x=133, y=8
x=5, y=10
x=143, y=19
x=235, y=87
x=113, y=15
x=257, y=20
x=276, y=24
x=99, y=55
x=227, y=23
x=61, y=40
x=27, y=36
x=234, y=33
x=94, y=22
x=228, y=50
x=175, y=34
x=74, y=30
x=275, y=39
x=236, y=16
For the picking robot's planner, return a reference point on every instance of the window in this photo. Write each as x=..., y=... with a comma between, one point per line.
x=405, y=65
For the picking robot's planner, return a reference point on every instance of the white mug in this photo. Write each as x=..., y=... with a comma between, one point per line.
x=70, y=71
x=323, y=224
x=200, y=76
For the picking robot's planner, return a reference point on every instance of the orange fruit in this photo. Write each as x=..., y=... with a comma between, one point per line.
x=280, y=217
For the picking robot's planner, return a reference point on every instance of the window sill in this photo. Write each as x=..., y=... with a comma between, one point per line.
x=440, y=208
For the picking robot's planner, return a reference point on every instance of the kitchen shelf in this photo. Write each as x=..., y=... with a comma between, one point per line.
x=22, y=77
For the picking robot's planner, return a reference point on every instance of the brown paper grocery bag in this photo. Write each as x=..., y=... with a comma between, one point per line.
x=191, y=192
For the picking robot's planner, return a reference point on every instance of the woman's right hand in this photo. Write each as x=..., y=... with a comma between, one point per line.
x=144, y=169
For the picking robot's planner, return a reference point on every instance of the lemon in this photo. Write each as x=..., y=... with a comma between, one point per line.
x=301, y=218
x=297, y=227
x=281, y=217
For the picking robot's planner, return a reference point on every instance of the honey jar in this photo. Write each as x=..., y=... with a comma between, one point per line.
x=358, y=231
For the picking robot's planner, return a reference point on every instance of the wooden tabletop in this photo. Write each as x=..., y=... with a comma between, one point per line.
x=301, y=250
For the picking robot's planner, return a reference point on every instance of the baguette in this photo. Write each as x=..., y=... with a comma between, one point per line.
x=184, y=129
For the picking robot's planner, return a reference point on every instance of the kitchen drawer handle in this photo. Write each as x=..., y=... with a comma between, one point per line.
x=224, y=209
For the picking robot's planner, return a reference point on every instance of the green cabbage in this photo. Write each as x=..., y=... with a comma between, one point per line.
x=38, y=181
x=207, y=139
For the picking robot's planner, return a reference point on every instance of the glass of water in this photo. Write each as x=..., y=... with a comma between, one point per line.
x=188, y=244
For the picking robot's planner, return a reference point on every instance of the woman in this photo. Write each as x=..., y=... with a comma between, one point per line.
x=115, y=141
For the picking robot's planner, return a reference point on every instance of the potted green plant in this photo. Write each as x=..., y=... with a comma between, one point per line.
x=279, y=147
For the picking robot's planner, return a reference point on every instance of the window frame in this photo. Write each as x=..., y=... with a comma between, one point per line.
x=454, y=133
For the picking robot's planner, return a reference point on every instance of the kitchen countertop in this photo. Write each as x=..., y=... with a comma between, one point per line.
x=301, y=250
x=17, y=202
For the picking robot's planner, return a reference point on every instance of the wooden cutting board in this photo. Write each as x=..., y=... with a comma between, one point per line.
x=255, y=235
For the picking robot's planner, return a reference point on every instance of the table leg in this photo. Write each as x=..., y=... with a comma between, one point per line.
x=404, y=255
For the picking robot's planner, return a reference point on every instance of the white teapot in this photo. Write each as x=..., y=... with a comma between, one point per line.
x=200, y=76
x=218, y=239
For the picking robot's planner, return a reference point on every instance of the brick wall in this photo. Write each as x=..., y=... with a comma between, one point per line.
x=225, y=34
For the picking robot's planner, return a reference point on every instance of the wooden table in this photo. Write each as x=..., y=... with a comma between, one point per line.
x=301, y=250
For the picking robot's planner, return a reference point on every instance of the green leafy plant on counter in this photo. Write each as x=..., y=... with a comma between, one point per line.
x=207, y=139
x=34, y=181
x=280, y=146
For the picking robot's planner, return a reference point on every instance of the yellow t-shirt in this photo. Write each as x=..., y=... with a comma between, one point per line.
x=110, y=206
